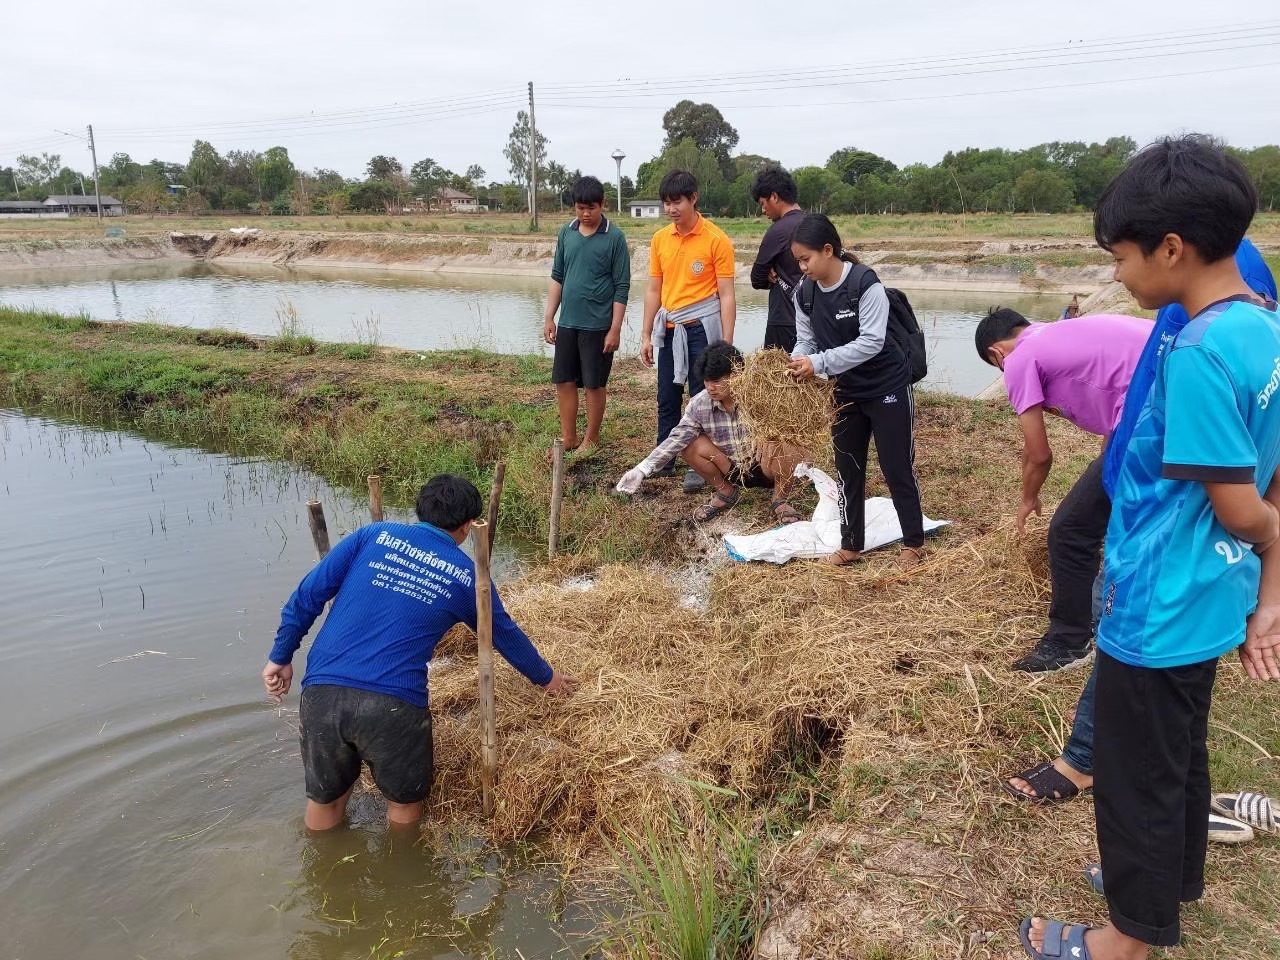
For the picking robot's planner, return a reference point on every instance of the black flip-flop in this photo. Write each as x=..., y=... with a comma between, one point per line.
x=1050, y=785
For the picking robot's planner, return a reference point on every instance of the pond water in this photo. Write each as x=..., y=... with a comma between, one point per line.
x=429, y=311
x=150, y=797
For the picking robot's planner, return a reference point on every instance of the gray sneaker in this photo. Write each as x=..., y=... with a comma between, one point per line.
x=1050, y=655
x=693, y=483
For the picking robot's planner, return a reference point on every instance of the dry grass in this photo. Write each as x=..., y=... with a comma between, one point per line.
x=776, y=408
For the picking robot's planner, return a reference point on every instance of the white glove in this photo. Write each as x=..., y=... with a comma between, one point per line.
x=631, y=480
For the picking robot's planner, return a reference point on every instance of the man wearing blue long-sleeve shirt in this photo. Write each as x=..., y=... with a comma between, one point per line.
x=396, y=589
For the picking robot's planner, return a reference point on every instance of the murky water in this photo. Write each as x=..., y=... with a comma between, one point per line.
x=432, y=311
x=150, y=798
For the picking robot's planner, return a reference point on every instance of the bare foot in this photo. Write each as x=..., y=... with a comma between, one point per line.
x=587, y=448
x=569, y=447
x=1083, y=781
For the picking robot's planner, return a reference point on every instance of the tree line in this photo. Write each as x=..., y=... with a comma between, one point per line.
x=1047, y=178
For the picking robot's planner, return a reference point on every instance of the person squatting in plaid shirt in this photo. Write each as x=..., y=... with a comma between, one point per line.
x=712, y=441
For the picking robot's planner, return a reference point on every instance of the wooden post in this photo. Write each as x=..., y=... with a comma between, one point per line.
x=557, y=493
x=375, y=498
x=319, y=529
x=495, y=499
x=484, y=634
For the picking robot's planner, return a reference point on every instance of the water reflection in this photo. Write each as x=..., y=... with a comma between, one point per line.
x=150, y=800
x=429, y=311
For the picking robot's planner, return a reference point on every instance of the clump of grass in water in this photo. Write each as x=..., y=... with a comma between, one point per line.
x=695, y=896
x=290, y=336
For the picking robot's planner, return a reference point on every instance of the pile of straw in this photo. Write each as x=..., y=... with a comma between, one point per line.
x=780, y=661
x=776, y=407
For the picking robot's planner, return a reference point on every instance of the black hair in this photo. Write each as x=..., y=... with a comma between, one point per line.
x=816, y=231
x=997, y=325
x=677, y=184
x=1188, y=186
x=448, y=501
x=587, y=190
x=774, y=180
x=717, y=361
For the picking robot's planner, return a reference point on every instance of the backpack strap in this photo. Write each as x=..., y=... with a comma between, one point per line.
x=860, y=279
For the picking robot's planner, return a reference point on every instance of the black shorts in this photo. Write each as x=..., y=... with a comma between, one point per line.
x=754, y=477
x=343, y=725
x=580, y=358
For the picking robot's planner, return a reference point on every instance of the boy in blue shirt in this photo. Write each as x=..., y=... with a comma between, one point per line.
x=1193, y=510
x=396, y=589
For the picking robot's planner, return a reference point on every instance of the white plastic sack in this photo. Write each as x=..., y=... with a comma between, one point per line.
x=820, y=535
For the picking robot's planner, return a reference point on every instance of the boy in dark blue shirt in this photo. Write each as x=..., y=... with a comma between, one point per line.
x=396, y=589
x=1193, y=510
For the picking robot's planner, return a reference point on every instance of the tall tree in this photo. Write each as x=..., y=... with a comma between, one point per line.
x=713, y=190
x=1042, y=191
x=517, y=153
x=206, y=172
x=816, y=187
x=851, y=164
x=705, y=125
x=427, y=177
x=38, y=171
x=121, y=172
x=558, y=180
x=475, y=176
x=383, y=168
x=275, y=173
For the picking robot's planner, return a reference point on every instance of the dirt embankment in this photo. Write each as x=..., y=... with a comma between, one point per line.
x=1008, y=266
x=95, y=252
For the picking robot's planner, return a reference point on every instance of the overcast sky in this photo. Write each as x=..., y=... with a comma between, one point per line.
x=336, y=83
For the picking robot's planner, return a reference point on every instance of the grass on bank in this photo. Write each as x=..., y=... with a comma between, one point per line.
x=853, y=228
x=860, y=719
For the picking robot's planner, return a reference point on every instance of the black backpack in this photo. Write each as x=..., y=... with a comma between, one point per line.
x=903, y=326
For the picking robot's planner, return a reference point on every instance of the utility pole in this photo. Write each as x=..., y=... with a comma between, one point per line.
x=533, y=162
x=97, y=192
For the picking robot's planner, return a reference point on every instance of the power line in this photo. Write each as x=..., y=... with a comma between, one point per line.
x=1057, y=50
x=781, y=86
x=788, y=105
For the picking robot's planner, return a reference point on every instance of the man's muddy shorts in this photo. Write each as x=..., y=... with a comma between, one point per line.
x=343, y=725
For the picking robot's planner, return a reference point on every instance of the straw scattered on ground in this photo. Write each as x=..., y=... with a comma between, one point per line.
x=886, y=695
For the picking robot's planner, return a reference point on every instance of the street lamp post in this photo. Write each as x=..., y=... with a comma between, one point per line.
x=619, y=156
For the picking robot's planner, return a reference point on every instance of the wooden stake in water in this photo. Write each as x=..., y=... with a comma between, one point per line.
x=484, y=634
x=557, y=493
x=375, y=498
x=319, y=529
x=495, y=500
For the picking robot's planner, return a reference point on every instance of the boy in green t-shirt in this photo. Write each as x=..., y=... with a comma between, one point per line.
x=590, y=280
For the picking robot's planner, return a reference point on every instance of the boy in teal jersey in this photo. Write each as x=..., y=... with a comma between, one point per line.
x=590, y=282
x=1193, y=514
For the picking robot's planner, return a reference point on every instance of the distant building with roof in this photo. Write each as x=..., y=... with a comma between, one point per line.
x=457, y=201
x=76, y=205
x=645, y=209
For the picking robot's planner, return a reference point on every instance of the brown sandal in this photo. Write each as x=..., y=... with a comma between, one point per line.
x=843, y=558
x=720, y=503
x=909, y=557
x=784, y=512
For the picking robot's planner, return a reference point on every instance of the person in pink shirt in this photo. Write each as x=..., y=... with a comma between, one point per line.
x=1078, y=369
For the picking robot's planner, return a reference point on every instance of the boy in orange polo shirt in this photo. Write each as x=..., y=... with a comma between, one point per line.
x=689, y=301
